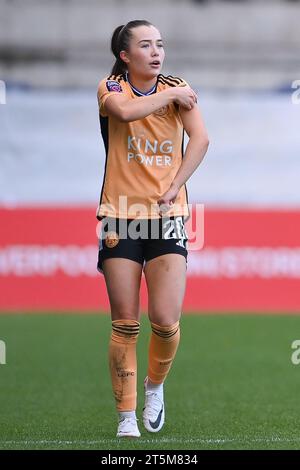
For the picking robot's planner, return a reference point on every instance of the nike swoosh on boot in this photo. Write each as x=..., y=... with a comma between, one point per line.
x=156, y=423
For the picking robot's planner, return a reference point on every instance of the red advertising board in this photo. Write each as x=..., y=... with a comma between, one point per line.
x=250, y=262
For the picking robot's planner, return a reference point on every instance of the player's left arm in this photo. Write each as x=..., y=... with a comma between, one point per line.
x=197, y=146
x=194, y=153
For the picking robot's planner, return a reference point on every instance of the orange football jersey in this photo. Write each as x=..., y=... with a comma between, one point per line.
x=143, y=156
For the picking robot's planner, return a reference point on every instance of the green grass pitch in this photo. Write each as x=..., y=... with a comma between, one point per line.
x=232, y=385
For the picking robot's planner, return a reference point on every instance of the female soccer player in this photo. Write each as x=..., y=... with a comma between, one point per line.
x=143, y=207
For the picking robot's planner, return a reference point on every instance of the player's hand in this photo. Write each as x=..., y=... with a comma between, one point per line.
x=167, y=200
x=185, y=96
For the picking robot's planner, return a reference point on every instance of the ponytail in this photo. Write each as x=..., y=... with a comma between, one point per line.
x=120, y=42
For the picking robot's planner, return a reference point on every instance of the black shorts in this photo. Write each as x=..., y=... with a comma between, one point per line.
x=141, y=240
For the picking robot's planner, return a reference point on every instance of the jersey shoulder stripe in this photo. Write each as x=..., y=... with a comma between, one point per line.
x=175, y=79
x=116, y=78
x=170, y=80
x=164, y=81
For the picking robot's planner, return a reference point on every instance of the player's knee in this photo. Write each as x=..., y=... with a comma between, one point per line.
x=165, y=318
x=125, y=314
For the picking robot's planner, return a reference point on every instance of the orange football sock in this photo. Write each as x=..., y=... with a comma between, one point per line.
x=162, y=349
x=123, y=364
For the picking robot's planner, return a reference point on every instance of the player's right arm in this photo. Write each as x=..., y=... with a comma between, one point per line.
x=117, y=104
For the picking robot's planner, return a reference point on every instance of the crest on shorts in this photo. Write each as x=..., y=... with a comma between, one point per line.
x=111, y=239
x=113, y=85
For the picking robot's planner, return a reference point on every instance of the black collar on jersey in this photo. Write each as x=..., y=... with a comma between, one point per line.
x=138, y=92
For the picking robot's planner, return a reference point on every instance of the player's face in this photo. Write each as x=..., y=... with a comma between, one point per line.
x=146, y=53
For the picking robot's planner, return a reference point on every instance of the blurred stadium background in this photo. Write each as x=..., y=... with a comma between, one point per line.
x=242, y=57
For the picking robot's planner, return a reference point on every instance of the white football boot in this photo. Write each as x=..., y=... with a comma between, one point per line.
x=128, y=428
x=154, y=409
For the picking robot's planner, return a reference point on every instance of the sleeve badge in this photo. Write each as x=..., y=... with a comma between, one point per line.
x=113, y=85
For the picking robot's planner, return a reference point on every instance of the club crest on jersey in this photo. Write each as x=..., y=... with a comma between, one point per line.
x=162, y=111
x=113, y=85
x=111, y=239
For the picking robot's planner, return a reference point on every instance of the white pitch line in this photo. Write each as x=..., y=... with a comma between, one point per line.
x=164, y=440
